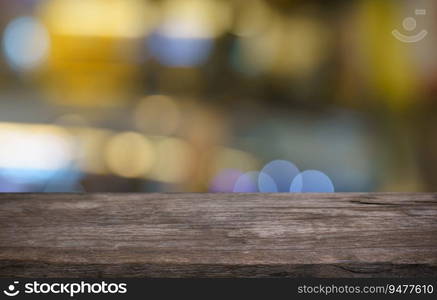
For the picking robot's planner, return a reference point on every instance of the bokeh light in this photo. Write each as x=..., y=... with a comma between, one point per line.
x=32, y=153
x=129, y=154
x=185, y=35
x=279, y=175
x=99, y=18
x=198, y=18
x=26, y=43
x=174, y=51
x=312, y=181
x=247, y=183
x=173, y=160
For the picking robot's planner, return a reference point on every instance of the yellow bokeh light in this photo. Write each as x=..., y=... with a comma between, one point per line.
x=129, y=155
x=195, y=18
x=95, y=49
x=173, y=161
x=101, y=18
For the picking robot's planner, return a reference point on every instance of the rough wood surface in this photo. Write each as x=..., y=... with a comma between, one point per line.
x=218, y=235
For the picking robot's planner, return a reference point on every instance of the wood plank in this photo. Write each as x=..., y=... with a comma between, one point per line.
x=218, y=235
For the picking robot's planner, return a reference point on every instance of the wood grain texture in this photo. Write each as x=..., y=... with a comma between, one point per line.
x=218, y=235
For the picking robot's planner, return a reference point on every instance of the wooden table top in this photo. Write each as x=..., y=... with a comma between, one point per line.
x=218, y=235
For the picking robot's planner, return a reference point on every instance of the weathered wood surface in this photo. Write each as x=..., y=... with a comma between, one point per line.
x=218, y=235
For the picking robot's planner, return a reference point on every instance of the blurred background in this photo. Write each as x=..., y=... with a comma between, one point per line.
x=186, y=95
